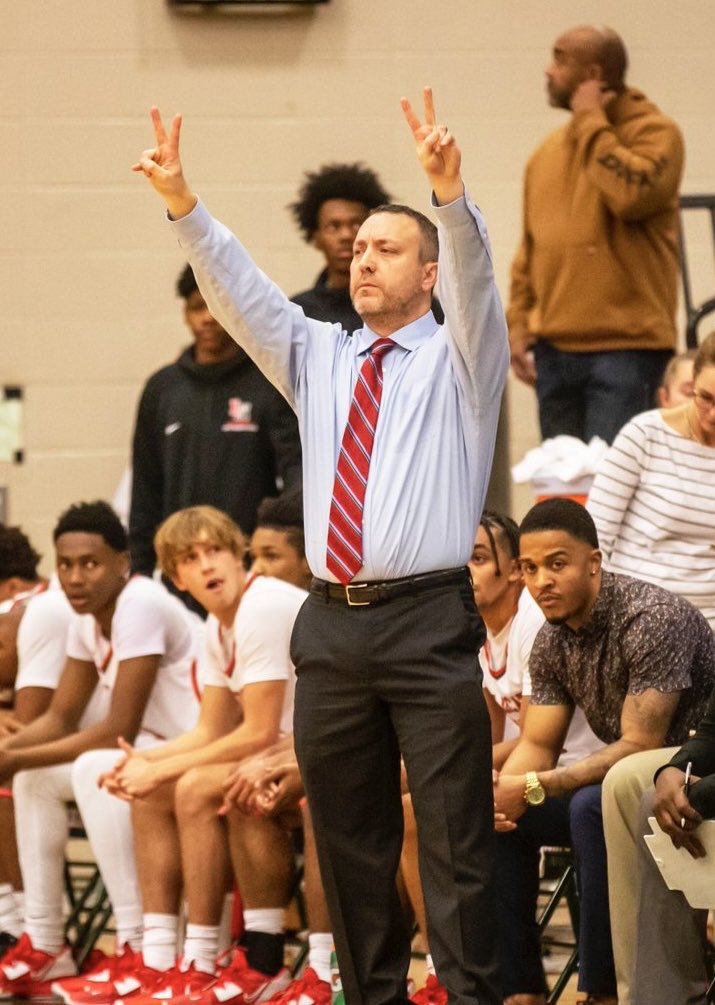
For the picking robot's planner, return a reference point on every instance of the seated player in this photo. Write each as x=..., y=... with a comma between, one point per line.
x=19, y=583
x=129, y=653
x=177, y=789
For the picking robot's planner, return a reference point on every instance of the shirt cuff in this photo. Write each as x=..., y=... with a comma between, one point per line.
x=193, y=226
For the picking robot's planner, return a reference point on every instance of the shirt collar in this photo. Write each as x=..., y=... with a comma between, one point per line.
x=409, y=337
x=598, y=619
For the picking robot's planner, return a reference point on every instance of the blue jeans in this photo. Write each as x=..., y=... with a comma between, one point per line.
x=575, y=823
x=587, y=394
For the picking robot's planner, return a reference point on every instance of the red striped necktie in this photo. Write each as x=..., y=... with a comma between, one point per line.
x=344, y=556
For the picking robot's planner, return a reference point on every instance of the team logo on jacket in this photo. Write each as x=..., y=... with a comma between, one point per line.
x=239, y=417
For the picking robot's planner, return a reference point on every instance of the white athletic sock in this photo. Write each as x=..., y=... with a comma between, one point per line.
x=159, y=941
x=321, y=947
x=201, y=946
x=12, y=915
x=131, y=935
x=270, y=920
x=430, y=965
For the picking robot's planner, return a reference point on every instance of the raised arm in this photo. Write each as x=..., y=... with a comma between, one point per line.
x=475, y=327
x=635, y=180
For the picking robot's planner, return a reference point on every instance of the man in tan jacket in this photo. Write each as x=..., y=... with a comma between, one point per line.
x=593, y=288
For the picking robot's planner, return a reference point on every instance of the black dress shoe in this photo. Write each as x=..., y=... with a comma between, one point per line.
x=7, y=941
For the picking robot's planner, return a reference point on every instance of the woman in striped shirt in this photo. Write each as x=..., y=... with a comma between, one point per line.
x=653, y=501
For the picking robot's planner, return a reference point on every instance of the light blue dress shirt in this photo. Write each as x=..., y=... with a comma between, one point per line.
x=440, y=403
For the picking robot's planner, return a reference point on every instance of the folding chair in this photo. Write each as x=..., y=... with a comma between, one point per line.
x=89, y=906
x=694, y=313
x=559, y=888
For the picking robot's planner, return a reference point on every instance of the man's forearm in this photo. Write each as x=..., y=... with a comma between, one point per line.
x=226, y=750
x=528, y=756
x=45, y=729
x=61, y=750
x=590, y=771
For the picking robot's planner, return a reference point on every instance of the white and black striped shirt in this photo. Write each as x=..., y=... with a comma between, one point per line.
x=653, y=502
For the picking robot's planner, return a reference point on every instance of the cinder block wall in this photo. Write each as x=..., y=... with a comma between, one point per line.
x=87, y=263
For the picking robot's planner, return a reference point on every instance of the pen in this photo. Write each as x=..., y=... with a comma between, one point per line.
x=686, y=787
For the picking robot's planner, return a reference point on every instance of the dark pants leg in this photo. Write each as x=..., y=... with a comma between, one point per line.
x=561, y=383
x=369, y=680
x=622, y=384
x=518, y=890
x=596, y=973
x=587, y=394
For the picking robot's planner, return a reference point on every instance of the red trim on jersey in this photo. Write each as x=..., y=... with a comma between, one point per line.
x=105, y=664
x=495, y=672
x=24, y=598
x=194, y=672
x=231, y=665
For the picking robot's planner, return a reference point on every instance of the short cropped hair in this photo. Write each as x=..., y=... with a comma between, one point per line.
x=284, y=513
x=181, y=531
x=186, y=283
x=561, y=514
x=352, y=182
x=17, y=556
x=93, y=518
x=429, y=241
x=705, y=356
x=501, y=529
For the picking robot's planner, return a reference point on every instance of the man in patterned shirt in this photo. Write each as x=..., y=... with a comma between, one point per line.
x=640, y=662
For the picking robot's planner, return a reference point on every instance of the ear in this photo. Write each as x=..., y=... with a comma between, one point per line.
x=13, y=585
x=514, y=575
x=429, y=276
x=595, y=561
x=126, y=565
x=179, y=583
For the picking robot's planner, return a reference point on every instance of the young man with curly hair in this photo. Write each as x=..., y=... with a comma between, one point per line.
x=332, y=204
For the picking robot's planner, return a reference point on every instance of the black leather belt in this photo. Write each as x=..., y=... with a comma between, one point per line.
x=364, y=594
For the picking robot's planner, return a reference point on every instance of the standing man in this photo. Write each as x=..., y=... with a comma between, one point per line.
x=384, y=646
x=210, y=429
x=332, y=205
x=593, y=288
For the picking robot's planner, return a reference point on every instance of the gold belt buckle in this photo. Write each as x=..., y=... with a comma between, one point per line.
x=356, y=603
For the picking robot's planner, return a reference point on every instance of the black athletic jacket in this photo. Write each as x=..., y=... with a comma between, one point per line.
x=216, y=433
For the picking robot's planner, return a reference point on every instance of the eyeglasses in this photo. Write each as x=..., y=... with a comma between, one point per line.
x=704, y=400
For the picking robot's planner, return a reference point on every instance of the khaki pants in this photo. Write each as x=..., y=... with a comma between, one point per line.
x=623, y=788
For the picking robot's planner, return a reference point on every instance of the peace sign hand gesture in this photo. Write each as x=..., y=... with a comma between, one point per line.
x=437, y=151
x=162, y=166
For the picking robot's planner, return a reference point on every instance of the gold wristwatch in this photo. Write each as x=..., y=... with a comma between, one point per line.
x=534, y=794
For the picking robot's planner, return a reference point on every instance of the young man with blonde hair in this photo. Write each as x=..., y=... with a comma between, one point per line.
x=183, y=832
